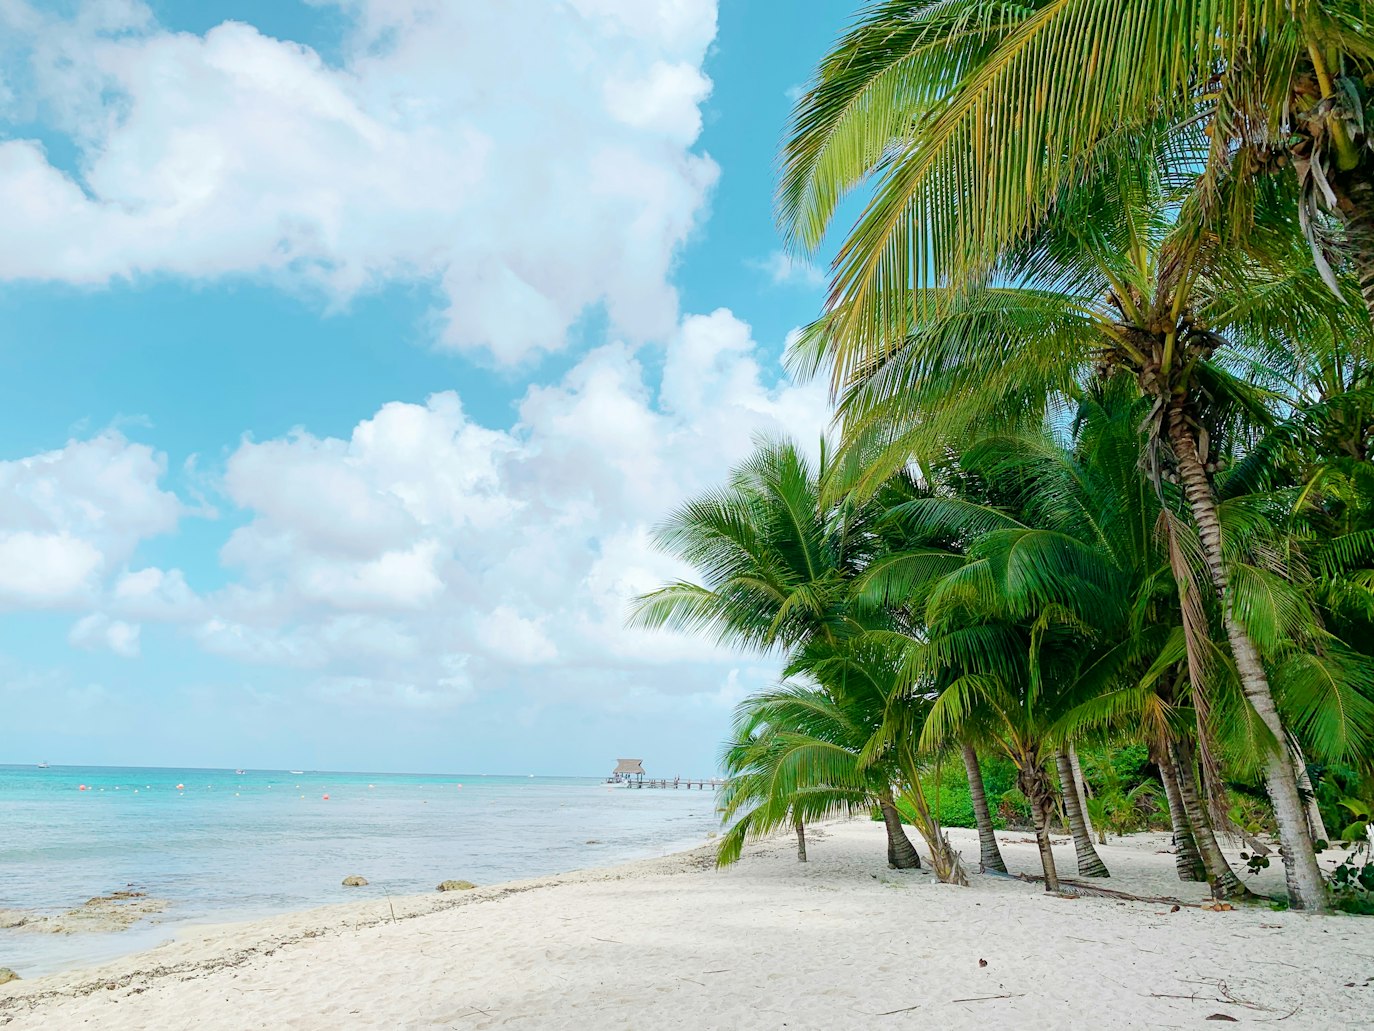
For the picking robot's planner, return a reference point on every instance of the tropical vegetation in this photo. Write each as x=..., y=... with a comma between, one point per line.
x=1100, y=349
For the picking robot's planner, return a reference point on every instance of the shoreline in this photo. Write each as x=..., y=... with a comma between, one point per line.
x=149, y=936
x=674, y=941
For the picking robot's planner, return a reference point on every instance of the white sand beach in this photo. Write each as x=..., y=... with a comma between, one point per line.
x=840, y=942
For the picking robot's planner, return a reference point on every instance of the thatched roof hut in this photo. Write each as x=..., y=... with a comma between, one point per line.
x=625, y=768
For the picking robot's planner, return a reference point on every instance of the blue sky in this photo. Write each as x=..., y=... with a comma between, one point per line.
x=351, y=349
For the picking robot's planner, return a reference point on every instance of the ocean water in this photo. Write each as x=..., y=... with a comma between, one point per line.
x=219, y=846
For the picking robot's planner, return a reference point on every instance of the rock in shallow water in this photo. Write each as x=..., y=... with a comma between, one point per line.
x=456, y=886
x=7, y=975
x=354, y=881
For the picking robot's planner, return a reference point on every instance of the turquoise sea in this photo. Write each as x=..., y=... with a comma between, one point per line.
x=217, y=845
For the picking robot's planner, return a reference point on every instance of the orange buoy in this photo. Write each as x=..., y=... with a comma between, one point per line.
x=181, y=787
x=326, y=798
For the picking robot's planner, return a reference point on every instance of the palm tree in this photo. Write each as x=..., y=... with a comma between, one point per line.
x=1009, y=679
x=867, y=668
x=794, y=758
x=774, y=559
x=779, y=563
x=1297, y=504
x=1187, y=857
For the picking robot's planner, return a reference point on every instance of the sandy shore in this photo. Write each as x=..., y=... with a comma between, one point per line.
x=841, y=942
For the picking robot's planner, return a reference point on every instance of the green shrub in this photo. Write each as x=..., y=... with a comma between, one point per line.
x=947, y=793
x=953, y=805
x=1360, y=815
x=1130, y=762
x=999, y=776
x=1013, y=810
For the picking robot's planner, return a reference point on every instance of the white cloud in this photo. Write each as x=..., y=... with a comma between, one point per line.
x=427, y=557
x=99, y=631
x=529, y=158
x=153, y=593
x=787, y=270
x=71, y=516
x=403, y=579
x=667, y=99
x=46, y=568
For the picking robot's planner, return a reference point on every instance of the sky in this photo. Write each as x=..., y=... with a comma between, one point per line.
x=351, y=351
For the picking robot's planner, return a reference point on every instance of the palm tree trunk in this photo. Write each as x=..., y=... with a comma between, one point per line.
x=989, y=854
x=1089, y=862
x=1081, y=783
x=1220, y=877
x=1187, y=859
x=801, y=841
x=1306, y=889
x=901, y=853
x=1315, y=824
x=1035, y=785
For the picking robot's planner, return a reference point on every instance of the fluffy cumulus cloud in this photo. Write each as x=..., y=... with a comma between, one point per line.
x=426, y=556
x=529, y=158
x=70, y=518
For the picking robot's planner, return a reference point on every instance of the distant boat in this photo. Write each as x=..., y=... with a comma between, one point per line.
x=297, y=771
x=239, y=772
x=43, y=765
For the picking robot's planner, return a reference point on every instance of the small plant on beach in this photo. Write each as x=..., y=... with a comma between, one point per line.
x=1352, y=882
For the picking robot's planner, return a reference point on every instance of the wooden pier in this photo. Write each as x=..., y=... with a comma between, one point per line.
x=676, y=782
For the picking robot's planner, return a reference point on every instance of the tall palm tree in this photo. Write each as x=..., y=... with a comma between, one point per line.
x=1090, y=864
x=1154, y=710
x=1187, y=857
x=773, y=558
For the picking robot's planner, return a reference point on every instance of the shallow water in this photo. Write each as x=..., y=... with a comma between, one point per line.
x=227, y=846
